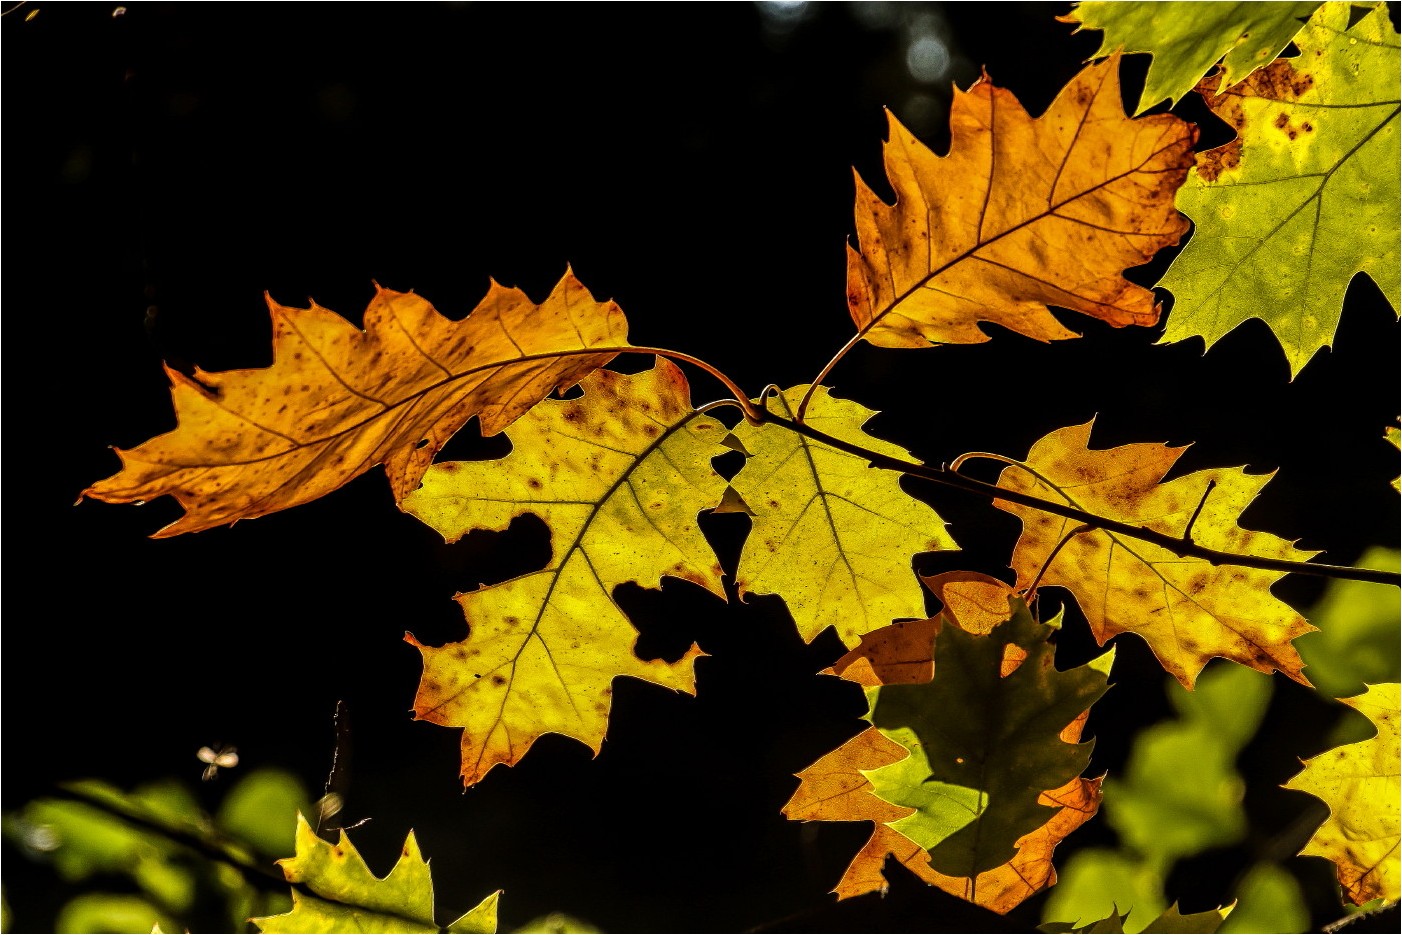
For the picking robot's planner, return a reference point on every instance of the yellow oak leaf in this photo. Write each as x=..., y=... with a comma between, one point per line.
x=1021, y=214
x=1187, y=609
x=619, y=475
x=1359, y=782
x=336, y=892
x=832, y=536
x=337, y=400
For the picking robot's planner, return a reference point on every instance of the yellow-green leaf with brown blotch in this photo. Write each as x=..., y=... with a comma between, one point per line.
x=1186, y=39
x=619, y=475
x=832, y=536
x=1187, y=609
x=1304, y=199
x=337, y=400
x=336, y=892
x=1021, y=214
x=837, y=787
x=1359, y=782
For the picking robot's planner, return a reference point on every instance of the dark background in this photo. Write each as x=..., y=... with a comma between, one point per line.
x=164, y=167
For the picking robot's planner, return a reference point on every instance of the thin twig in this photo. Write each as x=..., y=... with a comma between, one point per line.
x=1174, y=544
x=1188, y=530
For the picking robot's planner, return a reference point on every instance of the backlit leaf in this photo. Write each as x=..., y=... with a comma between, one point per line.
x=1359, y=783
x=349, y=898
x=1304, y=198
x=1188, y=38
x=1186, y=609
x=1022, y=213
x=338, y=400
x=619, y=475
x=832, y=536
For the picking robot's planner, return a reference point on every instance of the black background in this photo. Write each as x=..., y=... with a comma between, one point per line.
x=165, y=167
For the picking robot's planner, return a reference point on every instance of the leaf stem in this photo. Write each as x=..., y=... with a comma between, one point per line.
x=752, y=414
x=827, y=369
x=1177, y=545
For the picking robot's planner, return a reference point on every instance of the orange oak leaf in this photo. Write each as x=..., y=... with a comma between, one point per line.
x=1188, y=610
x=338, y=400
x=901, y=654
x=975, y=602
x=1021, y=214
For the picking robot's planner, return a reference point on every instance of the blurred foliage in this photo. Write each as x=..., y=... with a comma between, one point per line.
x=1181, y=795
x=1359, y=638
x=153, y=858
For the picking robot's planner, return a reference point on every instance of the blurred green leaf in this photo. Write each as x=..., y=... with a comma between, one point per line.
x=1360, y=632
x=262, y=808
x=1181, y=793
x=557, y=923
x=107, y=912
x=1268, y=900
x=1098, y=883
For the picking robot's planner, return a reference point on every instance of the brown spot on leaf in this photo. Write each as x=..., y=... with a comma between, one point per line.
x=498, y=679
x=1214, y=162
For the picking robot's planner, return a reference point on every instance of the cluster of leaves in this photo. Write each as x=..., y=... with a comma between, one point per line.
x=972, y=769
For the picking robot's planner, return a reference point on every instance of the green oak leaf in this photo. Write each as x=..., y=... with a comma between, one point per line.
x=1359, y=639
x=1187, y=38
x=1304, y=198
x=832, y=536
x=991, y=742
x=349, y=898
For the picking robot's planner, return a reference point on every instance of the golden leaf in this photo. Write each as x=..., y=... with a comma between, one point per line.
x=1187, y=609
x=1359, y=783
x=338, y=400
x=832, y=536
x=619, y=475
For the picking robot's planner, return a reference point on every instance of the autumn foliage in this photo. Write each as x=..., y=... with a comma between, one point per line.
x=972, y=768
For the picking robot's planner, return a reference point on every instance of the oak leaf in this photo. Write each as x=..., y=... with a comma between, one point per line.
x=1359, y=782
x=987, y=725
x=1187, y=38
x=832, y=536
x=838, y=787
x=337, y=400
x=619, y=475
x=1021, y=214
x=346, y=897
x=1187, y=609
x=1304, y=198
